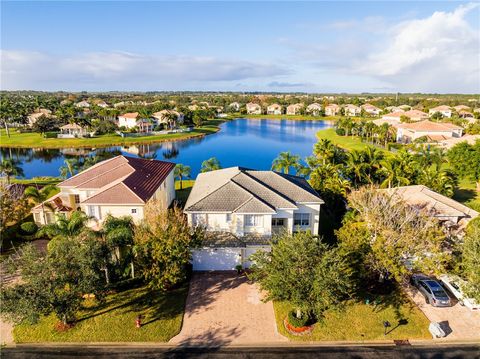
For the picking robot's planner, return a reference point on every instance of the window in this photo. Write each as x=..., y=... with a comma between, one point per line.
x=301, y=219
x=134, y=211
x=229, y=217
x=278, y=222
x=253, y=220
x=37, y=217
x=77, y=198
x=91, y=211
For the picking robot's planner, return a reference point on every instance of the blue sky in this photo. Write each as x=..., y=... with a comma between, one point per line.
x=241, y=46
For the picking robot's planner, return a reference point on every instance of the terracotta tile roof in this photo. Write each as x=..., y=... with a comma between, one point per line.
x=429, y=126
x=117, y=194
x=441, y=108
x=130, y=115
x=140, y=176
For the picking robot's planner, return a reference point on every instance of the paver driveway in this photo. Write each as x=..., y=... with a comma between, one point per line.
x=464, y=323
x=224, y=308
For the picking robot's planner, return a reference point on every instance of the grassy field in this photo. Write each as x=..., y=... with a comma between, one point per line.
x=360, y=321
x=346, y=142
x=467, y=194
x=35, y=140
x=41, y=181
x=114, y=321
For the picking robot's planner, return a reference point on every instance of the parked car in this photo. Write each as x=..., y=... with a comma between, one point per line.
x=455, y=285
x=432, y=291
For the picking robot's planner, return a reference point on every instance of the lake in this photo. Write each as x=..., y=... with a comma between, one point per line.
x=242, y=142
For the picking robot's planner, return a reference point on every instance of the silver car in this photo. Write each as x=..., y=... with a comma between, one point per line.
x=432, y=291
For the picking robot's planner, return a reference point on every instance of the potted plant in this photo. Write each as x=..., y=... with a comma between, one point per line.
x=239, y=268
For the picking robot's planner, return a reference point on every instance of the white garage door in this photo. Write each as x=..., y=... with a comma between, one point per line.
x=215, y=258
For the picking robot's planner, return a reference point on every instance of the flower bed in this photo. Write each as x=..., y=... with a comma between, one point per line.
x=297, y=331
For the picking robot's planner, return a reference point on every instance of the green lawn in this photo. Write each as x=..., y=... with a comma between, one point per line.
x=360, y=321
x=36, y=140
x=467, y=194
x=182, y=194
x=41, y=181
x=114, y=321
x=346, y=142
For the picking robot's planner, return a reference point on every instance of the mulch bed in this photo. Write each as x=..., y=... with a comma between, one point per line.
x=297, y=331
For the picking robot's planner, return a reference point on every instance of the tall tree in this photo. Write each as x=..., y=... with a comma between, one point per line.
x=181, y=172
x=212, y=164
x=465, y=160
x=285, y=161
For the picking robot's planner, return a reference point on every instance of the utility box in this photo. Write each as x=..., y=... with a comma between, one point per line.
x=436, y=330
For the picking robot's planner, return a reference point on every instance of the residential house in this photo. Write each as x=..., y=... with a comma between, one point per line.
x=332, y=110
x=132, y=120
x=241, y=209
x=446, y=111
x=164, y=116
x=413, y=116
x=452, y=214
x=33, y=117
x=314, y=109
x=254, y=108
x=234, y=106
x=72, y=130
x=274, y=109
x=461, y=108
x=465, y=114
x=450, y=142
x=120, y=186
x=82, y=104
x=294, y=109
x=352, y=110
x=433, y=131
x=371, y=110
x=102, y=104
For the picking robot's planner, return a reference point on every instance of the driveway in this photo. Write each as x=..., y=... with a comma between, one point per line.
x=224, y=308
x=461, y=322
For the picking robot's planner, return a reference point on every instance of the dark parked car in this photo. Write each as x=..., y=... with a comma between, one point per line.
x=432, y=291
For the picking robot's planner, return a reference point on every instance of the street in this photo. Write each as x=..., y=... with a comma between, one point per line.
x=297, y=352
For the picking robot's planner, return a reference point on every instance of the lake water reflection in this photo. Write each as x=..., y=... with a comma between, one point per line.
x=242, y=142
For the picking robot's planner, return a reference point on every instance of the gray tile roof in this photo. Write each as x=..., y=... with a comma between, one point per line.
x=242, y=190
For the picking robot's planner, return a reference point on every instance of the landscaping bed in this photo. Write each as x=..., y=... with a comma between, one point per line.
x=360, y=321
x=114, y=320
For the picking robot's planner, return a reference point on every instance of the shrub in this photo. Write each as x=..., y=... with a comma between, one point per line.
x=29, y=228
x=50, y=134
x=340, y=131
x=297, y=322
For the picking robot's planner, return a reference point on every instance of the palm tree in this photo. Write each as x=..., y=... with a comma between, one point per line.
x=181, y=171
x=325, y=150
x=66, y=227
x=39, y=196
x=68, y=168
x=373, y=159
x=212, y=164
x=285, y=161
x=10, y=167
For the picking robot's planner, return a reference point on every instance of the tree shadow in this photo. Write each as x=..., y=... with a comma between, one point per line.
x=205, y=286
x=464, y=194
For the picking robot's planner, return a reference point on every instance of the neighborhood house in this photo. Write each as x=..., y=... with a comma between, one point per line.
x=120, y=186
x=241, y=209
x=446, y=111
x=432, y=131
x=72, y=130
x=294, y=109
x=254, y=109
x=274, y=109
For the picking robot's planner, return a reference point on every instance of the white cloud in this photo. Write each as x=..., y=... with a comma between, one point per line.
x=122, y=70
x=440, y=53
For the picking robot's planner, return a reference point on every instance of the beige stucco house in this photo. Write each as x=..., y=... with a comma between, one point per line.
x=433, y=131
x=294, y=109
x=243, y=208
x=253, y=108
x=163, y=117
x=446, y=111
x=332, y=110
x=120, y=186
x=314, y=109
x=274, y=109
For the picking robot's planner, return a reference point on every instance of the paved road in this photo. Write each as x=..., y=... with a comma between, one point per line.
x=342, y=352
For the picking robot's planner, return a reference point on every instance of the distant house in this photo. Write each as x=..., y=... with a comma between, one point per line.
x=132, y=120
x=332, y=110
x=461, y=108
x=452, y=214
x=235, y=106
x=446, y=111
x=120, y=186
x=352, y=110
x=465, y=114
x=254, y=108
x=433, y=131
x=274, y=109
x=33, y=117
x=72, y=130
x=163, y=117
x=314, y=109
x=294, y=109
x=413, y=115
x=371, y=110
x=82, y=104
x=193, y=107
x=242, y=208
x=450, y=142
x=102, y=104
